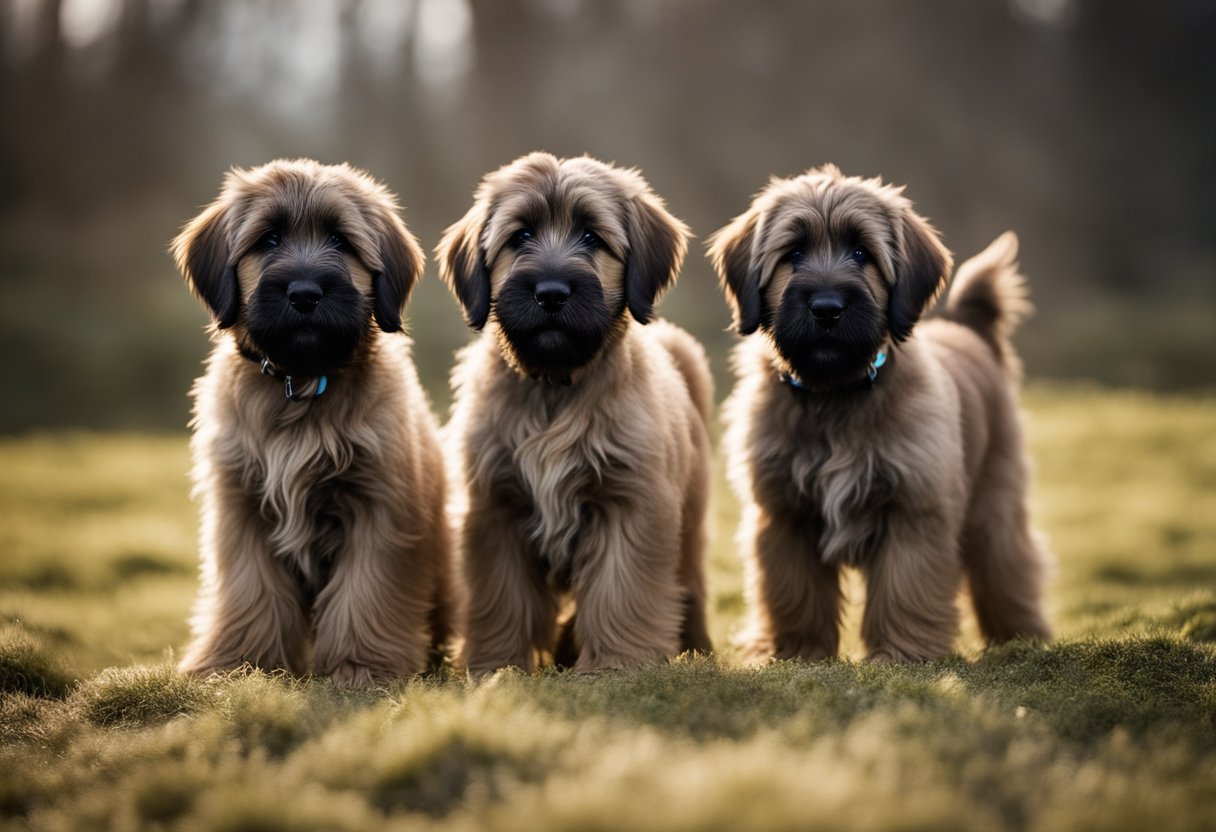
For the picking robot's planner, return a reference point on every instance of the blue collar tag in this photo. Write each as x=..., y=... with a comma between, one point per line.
x=289, y=387
x=878, y=361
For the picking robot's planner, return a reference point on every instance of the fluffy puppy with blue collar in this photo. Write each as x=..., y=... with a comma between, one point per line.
x=316, y=455
x=578, y=438
x=858, y=438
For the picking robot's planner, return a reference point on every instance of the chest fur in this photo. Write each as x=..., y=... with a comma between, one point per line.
x=303, y=490
x=567, y=471
x=841, y=491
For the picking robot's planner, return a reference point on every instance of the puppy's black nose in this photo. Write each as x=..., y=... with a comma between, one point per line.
x=304, y=295
x=551, y=295
x=826, y=308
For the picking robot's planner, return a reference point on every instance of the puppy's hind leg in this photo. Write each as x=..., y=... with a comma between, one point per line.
x=1004, y=562
x=250, y=610
x=444, y=602
x=694, y=634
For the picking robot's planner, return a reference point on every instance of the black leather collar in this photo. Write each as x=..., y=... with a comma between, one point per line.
x=291, y=386
x=866, y=382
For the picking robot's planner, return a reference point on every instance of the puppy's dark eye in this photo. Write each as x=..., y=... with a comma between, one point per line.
x=338, y=241
x=860, y=256
x=520, y=237
x=269, y=240
x=591, y=240
x=795, y=255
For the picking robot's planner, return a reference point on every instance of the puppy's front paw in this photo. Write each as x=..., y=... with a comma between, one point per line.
x=350, y=674
x=894, y=655
x=597, y=663
x=490, y=679
x=885, y=655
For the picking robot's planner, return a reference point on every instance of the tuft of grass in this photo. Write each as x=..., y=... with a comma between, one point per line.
x=28, y=666
x=139, y=696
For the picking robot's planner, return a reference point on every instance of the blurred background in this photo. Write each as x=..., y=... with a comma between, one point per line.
x=1088, y=126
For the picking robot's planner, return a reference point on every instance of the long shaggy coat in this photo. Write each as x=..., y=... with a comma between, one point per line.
x=579, y=447
x=323, y=544
x=910, y=466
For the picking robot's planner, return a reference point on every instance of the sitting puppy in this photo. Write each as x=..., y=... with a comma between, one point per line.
x=578, y=434
x=855, y=441
x=316, y=453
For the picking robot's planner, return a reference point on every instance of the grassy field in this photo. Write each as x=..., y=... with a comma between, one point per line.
x=1111, y=727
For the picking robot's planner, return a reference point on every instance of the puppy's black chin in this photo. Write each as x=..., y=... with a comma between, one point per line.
x=314, y=343
x=828, y=356
x=553, y=344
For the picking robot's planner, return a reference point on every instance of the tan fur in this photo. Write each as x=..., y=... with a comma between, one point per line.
x=591, y=489
x=350, y=483
x=917, y=482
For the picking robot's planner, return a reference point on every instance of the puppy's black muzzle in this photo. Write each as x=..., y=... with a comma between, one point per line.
x=828, y=330
x=308, y=319
x=555, y=318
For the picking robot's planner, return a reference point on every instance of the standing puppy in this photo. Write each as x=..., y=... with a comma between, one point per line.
x=316, y=453
x=578, y=433
x=855, y=441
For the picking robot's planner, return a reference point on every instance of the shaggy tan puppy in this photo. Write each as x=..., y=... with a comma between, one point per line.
x=855, y=440
x=316, y=454
x=578, y=434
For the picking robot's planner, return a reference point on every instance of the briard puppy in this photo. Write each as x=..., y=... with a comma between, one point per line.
x=316, y=454
x=578, y=435
x=854, y=440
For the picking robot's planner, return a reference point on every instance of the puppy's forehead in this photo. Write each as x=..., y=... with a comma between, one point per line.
x=833, y=209
x=818, y=209
x=305, y=198
x=295, y=200
x=563, y=196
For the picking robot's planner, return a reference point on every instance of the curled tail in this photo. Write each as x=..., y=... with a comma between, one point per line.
x=990, y=296
x=690, y=360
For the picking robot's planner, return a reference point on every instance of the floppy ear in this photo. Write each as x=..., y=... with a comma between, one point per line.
x=921, y=273
x=401, y=263
x=462, y=265
x=657, y=244
x=202, y=255
x=730, y=251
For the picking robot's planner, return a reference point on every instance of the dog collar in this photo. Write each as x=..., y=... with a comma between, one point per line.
x=865, y=383
x=290, y=385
